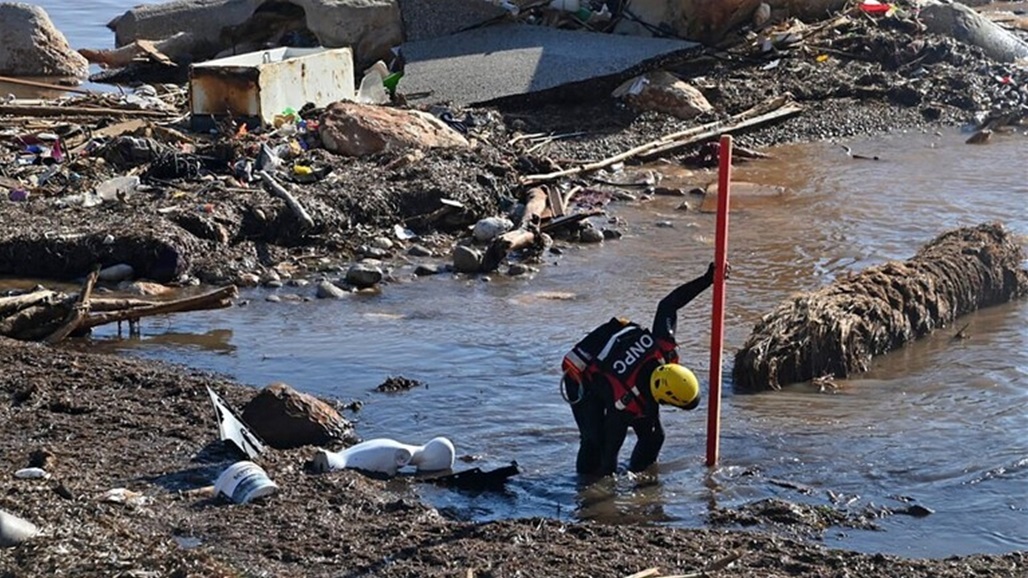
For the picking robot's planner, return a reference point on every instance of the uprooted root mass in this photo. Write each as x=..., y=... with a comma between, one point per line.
x=837, y=330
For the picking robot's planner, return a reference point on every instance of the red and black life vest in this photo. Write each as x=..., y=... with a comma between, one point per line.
x=617, y=351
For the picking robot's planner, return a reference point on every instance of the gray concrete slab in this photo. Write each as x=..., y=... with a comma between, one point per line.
x=509, y=59
x=424, y=19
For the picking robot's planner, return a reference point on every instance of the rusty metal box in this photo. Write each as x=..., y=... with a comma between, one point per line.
x=256, y=86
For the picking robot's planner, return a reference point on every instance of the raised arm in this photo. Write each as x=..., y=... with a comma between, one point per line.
x=666, y=318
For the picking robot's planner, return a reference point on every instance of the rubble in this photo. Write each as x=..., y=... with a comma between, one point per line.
x=223, y=27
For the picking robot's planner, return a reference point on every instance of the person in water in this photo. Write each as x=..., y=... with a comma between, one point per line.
x=619, y=375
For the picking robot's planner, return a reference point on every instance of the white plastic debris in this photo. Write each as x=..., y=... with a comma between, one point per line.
x=32, y=474
x=387, y=456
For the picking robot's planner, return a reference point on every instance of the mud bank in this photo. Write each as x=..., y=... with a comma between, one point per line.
x=148, y=427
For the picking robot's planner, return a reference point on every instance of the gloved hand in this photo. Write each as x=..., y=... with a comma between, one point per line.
x=711, y=268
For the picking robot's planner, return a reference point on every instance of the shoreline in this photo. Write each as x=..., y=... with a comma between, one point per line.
x=113, y=422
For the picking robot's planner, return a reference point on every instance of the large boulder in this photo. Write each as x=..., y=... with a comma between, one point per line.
x=31, y=46
x=664, y=92
x=285, y=418
x=970, y=27
x=709, y=22
x=356, y=130
x=371, y=28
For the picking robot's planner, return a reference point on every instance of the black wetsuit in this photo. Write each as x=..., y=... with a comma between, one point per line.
x=602, y=428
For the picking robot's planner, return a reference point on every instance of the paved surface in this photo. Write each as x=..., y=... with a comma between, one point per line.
x=493, y=62
x=424, y=19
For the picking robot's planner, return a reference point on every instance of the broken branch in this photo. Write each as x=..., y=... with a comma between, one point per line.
x=779, y=107
x=218, y=299
x=78, y=312
x=281, y=192
x=9, y=305
x=523, y=236
x=23, y=110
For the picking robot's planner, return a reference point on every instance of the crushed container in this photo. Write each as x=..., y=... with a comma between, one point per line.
x=256, y=86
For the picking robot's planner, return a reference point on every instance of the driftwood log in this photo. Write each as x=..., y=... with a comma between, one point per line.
x=52, y=317
x=836, y=331
x=524, y=236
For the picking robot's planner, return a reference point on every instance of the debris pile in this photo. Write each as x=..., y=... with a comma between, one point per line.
x=837, y=330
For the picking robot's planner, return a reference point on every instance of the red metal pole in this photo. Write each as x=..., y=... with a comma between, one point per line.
x=717, y=328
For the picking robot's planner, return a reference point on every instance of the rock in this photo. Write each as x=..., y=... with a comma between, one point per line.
x=709, y=22
x=491, y=227
x=362, y=275
x=426, y=270
x=518, y=269
x=663, y=92
x=761, y=15
x=372, y=252
x=328, y=290
x=591, y=235
x=645, y=13
x=285, y=418
x=145, y=288
x=116, y=273
x=970, y=27
x=15, y=530
x=248, y=280
x=611, y=234
x=32, y=46
x=370, y=27
x=981, y=137
x=356, y=130
x=466, y=259
x=382, y=243
x=273, y=298
x=419, y=251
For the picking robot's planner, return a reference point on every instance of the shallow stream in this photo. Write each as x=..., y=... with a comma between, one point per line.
x=941, y=422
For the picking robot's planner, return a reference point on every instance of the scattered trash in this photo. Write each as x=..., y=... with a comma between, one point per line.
x=275, y=79
x=124, y=496
x=243, y=482
x=232, y=428
x=15, y=530
x=477, y=480
x=117, y=189
x=386, y=456
x=32, y=474
x=875, y=7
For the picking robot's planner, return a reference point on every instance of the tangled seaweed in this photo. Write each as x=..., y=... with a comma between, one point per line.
x=837, y=330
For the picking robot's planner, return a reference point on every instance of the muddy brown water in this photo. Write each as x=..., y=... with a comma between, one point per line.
x=941, y=422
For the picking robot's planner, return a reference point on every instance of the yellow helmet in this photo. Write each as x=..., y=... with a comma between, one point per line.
x=675, y=385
